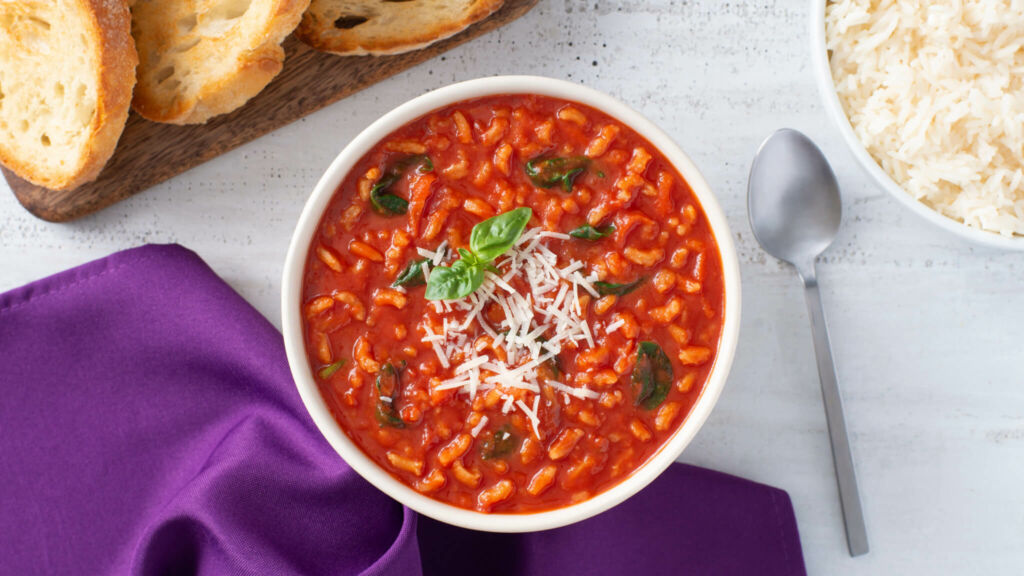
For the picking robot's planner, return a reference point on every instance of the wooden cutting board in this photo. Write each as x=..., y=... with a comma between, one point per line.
x=149, y=153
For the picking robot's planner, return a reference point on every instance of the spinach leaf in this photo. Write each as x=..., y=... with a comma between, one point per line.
x=388, y=389
x=554, y=367
x=421, y=161
x=501, y=442
x=606, y=288
x=551, y=172
x=495, y=236
x=553, y=364
x=412, y=275
x=382, y=200
x=329, y=370
x=652, y=376
x=488, y=240
x=388, y=204
x=588, y=232
x=386, y=416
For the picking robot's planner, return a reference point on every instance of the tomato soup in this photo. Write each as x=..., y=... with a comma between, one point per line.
x=511, y=303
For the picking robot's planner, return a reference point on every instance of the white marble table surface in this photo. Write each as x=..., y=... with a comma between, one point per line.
x=928, y=331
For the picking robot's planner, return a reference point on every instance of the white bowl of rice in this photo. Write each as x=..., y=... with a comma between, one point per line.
x=929, y=96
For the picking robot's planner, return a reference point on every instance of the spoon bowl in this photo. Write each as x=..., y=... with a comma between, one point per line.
x=794, y=203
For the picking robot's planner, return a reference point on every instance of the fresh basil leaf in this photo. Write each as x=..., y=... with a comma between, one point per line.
x=608, y=288
x=588, y=232
x=329, y=370
x=652, y=376
x=454, y=282
x=474, y=272
x=488, y=240
x=501, y=442
x=412, y=275
x=551, y=172
x=496, y=235
x=388, y=389
x=469, y=257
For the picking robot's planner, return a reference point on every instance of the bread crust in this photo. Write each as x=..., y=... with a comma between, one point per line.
x=110, y=32
x=254, y=68
x=317, y=29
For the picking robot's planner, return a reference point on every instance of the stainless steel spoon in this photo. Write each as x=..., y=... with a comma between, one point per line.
x=794, y=207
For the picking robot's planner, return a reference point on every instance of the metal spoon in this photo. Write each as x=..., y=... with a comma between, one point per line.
x=795, y=210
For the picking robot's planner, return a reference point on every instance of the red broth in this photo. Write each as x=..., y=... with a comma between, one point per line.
x=604, y=403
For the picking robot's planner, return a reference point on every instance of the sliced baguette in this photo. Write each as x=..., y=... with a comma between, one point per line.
x=201, y=58
x=353, y=27
x=67, y=68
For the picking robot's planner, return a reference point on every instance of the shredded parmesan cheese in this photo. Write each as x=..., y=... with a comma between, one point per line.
x=530, y=413
x=614, y=326
x=581, y=393
x=479, y=426
x=539, y=322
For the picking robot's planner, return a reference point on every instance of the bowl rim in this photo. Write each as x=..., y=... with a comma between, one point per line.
x=310, y=218
x=834, y=108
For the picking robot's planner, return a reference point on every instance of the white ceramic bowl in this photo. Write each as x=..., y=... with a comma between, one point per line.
x=826, y=86
x=292, y=290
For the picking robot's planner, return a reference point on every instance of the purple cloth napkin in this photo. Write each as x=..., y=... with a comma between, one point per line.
x=149, y=425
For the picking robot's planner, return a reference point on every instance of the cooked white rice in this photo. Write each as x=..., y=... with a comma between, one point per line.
x=934, y=91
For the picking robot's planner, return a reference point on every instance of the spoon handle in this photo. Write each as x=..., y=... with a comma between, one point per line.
x=846, y=476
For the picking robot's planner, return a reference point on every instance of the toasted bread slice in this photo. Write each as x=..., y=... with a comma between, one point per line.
x=66, y=75
x=353, y=27
x=201, y=58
